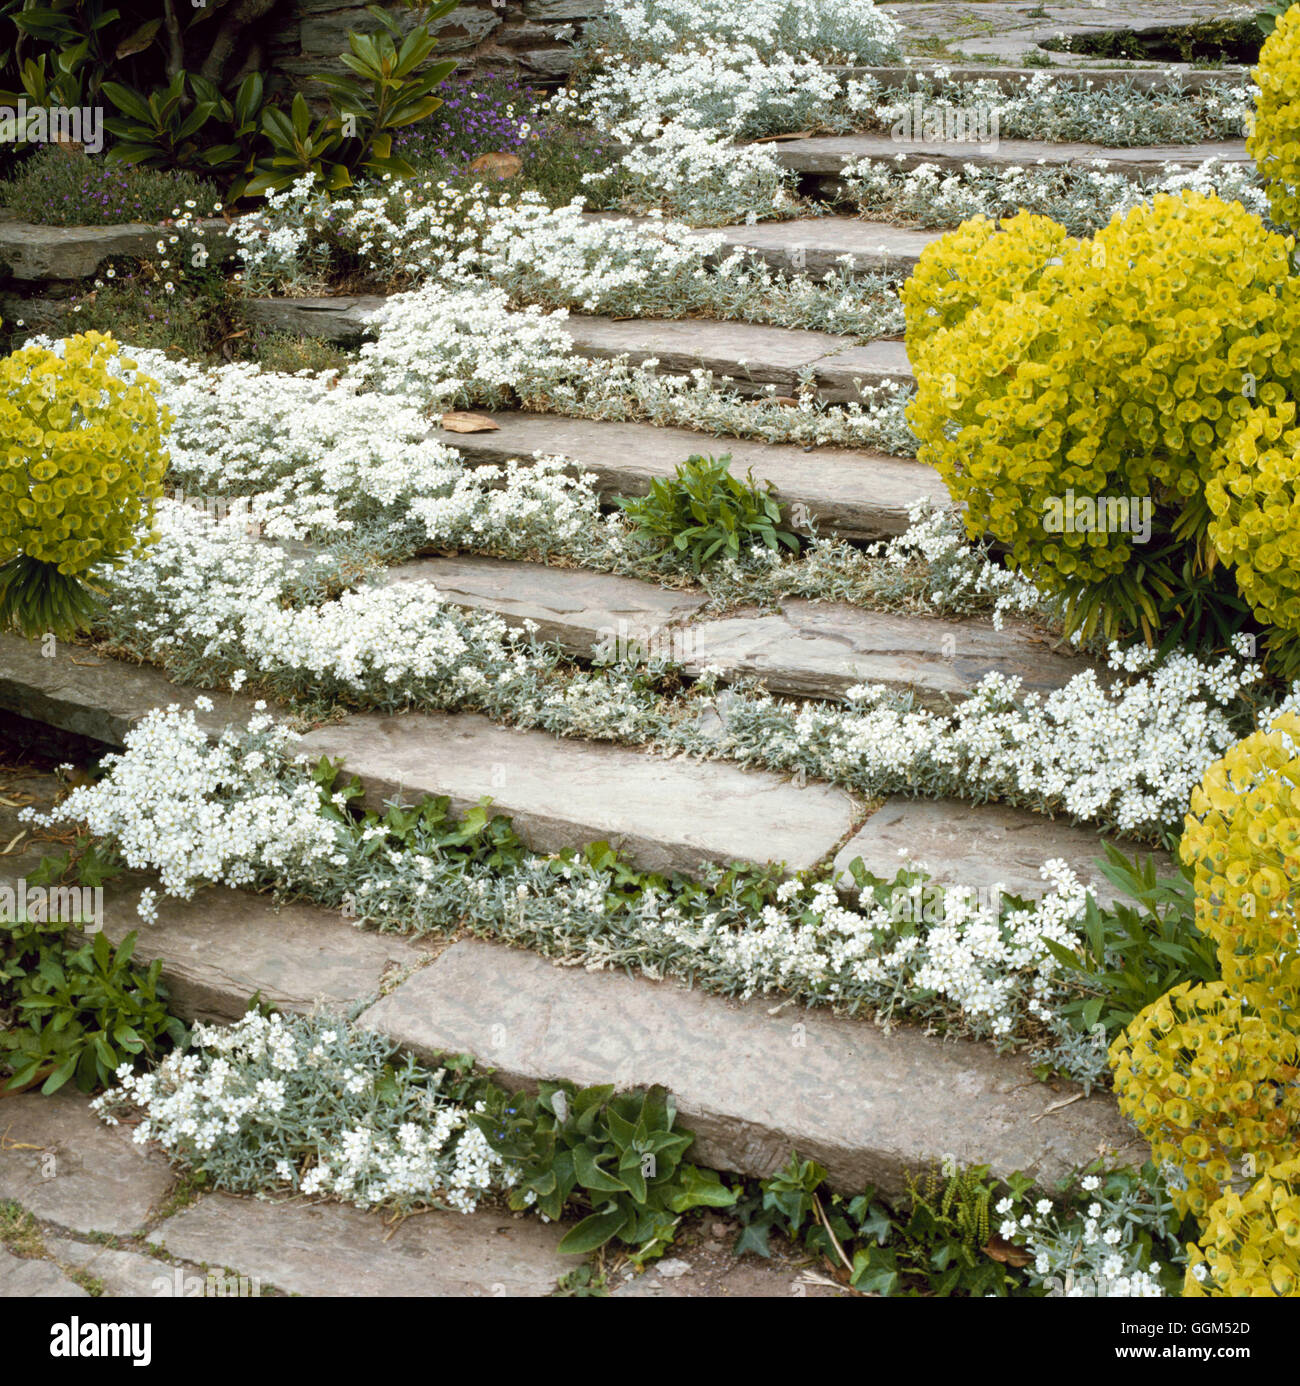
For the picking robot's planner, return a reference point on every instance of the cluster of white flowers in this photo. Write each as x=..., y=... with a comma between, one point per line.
x=294, y=1102
x=227, y=811
x=1082, y=197
x=1097, y=1256
x=832, y=30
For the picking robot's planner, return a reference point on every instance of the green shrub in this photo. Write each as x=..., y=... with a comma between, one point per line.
x=58, y=188
x=704, y=513
x=1111, y=378
x=81, y=1008
x=1274, y=140
x=1255, y=501
x=616, y=1154
x=1132, y=957
x=81, y=465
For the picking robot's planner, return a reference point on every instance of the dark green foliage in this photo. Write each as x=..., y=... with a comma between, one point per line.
x=705, y=513
x=616, y=1155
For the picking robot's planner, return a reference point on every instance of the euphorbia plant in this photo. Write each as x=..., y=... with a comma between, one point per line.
x=81, y=465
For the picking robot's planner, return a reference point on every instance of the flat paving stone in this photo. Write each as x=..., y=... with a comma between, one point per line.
x=752, y=354
x=1170, y=76
x=816, y=245
x=66, y=1166
x=813, y=649
x=751, y=1084
x=821, y=649
x=666, y=814
x=341, y=318
x=856, y=494
x=124, y=1273
x=577, y=608
x=1009, y=30
x=336, y=1250
x=828, y=154
x=35, y=1279
x=613, y=793
x=80, y=691
x=74, y=252
x=812, y=245
x=979, y=845
x=224, y=946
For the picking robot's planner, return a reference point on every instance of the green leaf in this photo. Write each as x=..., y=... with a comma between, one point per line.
x=591, y=1176
x=701, y=1188
x=591, y=1233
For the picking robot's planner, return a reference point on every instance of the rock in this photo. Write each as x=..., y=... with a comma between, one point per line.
x=33, y=1279
x=978, y=845
x=334, y=1249
x=752, y=1085
x=67, y=1167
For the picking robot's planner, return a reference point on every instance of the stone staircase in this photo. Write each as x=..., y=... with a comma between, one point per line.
x=868, y=1103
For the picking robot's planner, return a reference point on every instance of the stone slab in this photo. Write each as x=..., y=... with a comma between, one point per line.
x=752, y=354
x=828, y=154
x=751, y=1084
x=75, y=252
x=811, y=649
x=79, y=691
x=35, y=1279
x=821, y=649
x=224, y=946
x=979, y=845
x=332, y=319
x=666, y=814
x=123, y=1273
x=856, y=494
x=816, y=245
x=337, y=1250
x=576, y=607
x=66, y=1166
x=1010, y=79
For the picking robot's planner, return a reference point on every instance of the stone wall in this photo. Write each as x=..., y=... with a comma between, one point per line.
x=484, y=34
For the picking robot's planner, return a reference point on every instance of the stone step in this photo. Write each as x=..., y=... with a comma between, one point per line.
x=854, y=494
x=38, y=253
x=754, y=1081
x=1168, y=77
x=628, y=797
x=469, y=758
x=754, y=355
x=816, y=245
x=869, y=1104
x=808, y=649
x=826, y=155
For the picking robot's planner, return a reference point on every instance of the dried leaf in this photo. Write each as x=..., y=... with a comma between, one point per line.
x=1007, y=1253
x=501, y=165
x=458, y=421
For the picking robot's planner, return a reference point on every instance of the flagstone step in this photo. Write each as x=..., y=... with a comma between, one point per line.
x=867, y=1103
x=666, y=814
x=826, y=155
x=854, y=494
x=808, y=648
x=754, y=1081
x=1167, y=77
x=754, y=355
x=814, y=245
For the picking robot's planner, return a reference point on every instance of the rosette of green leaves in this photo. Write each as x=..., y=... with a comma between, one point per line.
x=617, y=1155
